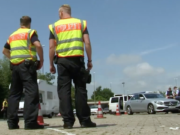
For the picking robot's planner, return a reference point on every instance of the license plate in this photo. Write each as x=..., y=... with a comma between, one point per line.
x=171, y=106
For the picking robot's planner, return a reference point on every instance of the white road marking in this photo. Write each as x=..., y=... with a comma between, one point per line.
x=176, y=128
x=61, y=131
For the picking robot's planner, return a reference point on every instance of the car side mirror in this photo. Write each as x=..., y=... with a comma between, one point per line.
x=142, y=98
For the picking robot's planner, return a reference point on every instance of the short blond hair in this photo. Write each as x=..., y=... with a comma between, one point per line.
x=66, y=8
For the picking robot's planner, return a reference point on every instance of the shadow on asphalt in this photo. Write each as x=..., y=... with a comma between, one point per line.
x=106, y=125
x=100, y=125
x=59, y=126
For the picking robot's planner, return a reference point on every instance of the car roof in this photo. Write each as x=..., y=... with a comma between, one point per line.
x=145, y=93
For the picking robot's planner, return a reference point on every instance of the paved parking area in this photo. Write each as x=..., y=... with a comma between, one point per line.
x=137, y=124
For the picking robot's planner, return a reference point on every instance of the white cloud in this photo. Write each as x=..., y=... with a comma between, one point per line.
x=156, y=49
x=142, y=69
x=123, y=59
x=142, y=83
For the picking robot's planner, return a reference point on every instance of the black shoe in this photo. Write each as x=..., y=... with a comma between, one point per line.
x=13, y=127
x=88, y=124
x=67, y=126
x=35, y=126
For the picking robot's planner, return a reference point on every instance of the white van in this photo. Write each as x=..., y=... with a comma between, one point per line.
x=120, y=100
x=48, y=97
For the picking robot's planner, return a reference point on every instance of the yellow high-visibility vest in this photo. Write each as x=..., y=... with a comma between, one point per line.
x=21, y=46
x=69, y=36
x=5, y=104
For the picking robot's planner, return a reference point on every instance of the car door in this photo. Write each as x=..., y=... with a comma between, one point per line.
x=142, y=103
x=134, y=103
x=114, y=102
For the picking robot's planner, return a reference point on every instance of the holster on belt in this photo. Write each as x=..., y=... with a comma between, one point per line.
x=11, y=66
x=32, y=65
x=55, y=59
x=86, y=76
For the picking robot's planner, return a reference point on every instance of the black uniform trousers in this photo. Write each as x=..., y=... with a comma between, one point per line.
x=22, y=77
x=68, y=70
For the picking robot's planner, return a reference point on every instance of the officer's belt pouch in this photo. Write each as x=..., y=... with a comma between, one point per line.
x=11, y=66
x=31, y=65
x=27, y=63
x=55, y=59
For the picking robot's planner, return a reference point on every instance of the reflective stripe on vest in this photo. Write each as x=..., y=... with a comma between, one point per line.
x=23, y=48
x=69, y=47
x=20, y=51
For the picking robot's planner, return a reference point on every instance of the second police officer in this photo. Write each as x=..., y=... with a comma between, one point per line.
x=67, y=38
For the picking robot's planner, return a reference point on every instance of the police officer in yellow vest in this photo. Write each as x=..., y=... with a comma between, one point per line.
x=4, y=108
x=21, y=48
x=67, y=38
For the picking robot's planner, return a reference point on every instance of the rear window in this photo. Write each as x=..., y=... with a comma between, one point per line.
x=114, y=100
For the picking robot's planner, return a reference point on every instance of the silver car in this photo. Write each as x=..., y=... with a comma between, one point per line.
x=151, y=103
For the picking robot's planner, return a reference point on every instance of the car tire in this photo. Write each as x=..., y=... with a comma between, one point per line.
x=129, y=110
x=174, y=111
x=151, y=109
x=110, y=112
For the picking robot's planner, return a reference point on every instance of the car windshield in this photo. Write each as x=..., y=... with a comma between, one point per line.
x=94, y=106
x=153, y=96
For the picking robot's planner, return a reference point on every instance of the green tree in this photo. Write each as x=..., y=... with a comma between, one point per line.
x=5, y=75
x=162, y=92
x=102, y=94
x=5, y=78
x=47, y=76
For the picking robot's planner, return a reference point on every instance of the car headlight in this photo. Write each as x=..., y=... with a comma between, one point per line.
x=159, y=102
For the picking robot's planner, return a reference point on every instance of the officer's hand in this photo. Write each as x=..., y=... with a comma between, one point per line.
x=40, y=65
x=52, y=69
x=89, y=65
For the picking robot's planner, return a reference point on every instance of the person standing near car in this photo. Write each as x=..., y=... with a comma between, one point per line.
x=67, y=38
x=4, y=108
x=169, y=93
x=177, y=92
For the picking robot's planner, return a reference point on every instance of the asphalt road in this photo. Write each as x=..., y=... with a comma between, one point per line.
x=137, y=124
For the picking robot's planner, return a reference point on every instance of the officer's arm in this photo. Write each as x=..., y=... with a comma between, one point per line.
x=2, y=107
x=39, y=50
x=52, y=48
x=177, y=92
x=35, y=41
x=87, y=42
x=6, y=50
x=166, y=94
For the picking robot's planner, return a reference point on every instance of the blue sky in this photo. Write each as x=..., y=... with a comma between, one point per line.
x=135, y=41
